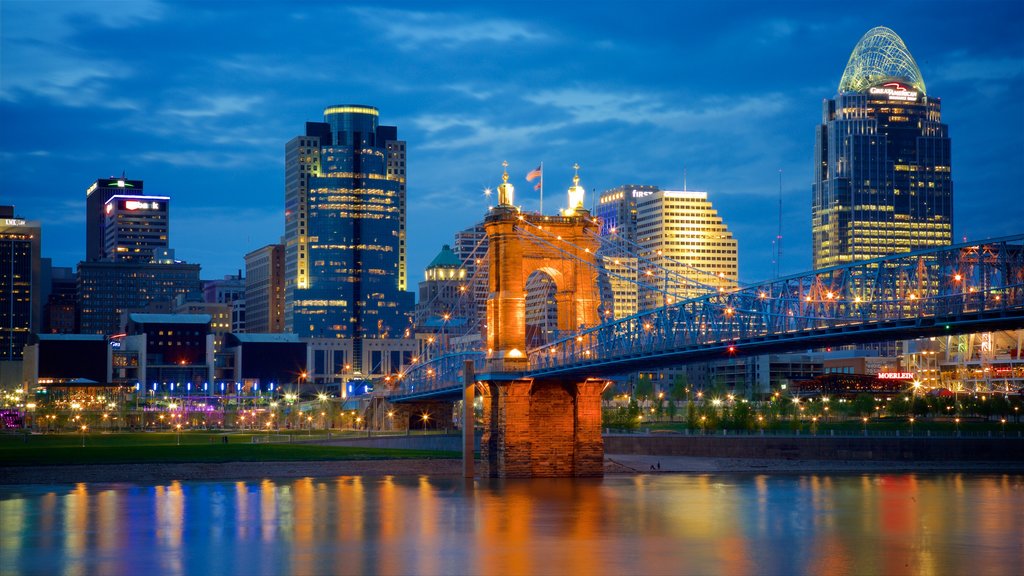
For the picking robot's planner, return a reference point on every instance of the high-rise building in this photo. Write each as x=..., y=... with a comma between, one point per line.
x=225, y=291
x=96, y=197
x=617, y=209
x=20, y=285
x=882, y=181
x=344, y=227
x=60, y=310
x=445, y=303
x=687, y=249
x=135, y=228
x=264, y=290
x=471, y=249
x=107, y=289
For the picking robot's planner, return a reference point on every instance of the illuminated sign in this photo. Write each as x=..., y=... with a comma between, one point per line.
x=138, y=205
x=119, y=184
x=14, y=222
x=895, y=91
x=895, y=375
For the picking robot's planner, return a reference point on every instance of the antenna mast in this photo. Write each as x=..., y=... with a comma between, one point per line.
x=778, y=237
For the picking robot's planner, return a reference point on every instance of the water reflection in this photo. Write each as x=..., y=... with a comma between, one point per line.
x=666, y=524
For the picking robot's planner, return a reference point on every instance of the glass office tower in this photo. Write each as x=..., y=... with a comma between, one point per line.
x=882, y=181
x=344, y=228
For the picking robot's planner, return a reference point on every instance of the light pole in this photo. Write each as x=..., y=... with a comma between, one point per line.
x=84, y=428
x=178, y=428
x=426, y=417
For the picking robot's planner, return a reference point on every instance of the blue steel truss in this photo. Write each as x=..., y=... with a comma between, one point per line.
x=951, y=290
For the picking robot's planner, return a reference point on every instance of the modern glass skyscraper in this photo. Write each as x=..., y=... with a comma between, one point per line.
x=882, y=181
x=345, y=227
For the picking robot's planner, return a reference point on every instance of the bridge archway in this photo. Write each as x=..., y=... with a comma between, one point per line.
x=523, y=244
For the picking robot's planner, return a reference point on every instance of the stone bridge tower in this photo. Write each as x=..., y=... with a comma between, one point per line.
x=535, y=427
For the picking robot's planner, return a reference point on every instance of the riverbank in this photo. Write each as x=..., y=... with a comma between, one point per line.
x=615, y=464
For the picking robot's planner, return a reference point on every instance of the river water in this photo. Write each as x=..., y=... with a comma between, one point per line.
x=645, y=524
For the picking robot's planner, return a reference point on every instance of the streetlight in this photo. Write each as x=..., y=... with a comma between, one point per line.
x=865, y=426
x=84, y=428
x=178, y=427
x=957, y=421
x=425, y=417
x=911, y=425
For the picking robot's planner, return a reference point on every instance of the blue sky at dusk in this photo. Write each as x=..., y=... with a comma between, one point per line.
x=198, y=100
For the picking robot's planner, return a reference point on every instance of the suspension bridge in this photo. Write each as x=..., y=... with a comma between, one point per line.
x=542, y=404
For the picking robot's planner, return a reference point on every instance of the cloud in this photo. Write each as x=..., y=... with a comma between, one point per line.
x=720, y=112
x=217, y=106
x=209, y=159
x=414, y=30
x=42, y=59
x=962, y=67
x=454, y=132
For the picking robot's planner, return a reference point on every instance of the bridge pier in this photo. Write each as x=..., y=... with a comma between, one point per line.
x=535, y=428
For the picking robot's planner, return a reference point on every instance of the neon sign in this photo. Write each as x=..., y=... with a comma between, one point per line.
x=895, y=91
x=895, y=375
x=137, y=205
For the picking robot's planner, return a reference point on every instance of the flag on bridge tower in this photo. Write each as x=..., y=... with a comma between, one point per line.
x=537, y=172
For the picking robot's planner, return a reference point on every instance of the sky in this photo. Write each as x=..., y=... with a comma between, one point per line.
x=198, y=99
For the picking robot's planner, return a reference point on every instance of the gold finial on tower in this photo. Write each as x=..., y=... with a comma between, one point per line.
x=576, y=193
x=506, y=191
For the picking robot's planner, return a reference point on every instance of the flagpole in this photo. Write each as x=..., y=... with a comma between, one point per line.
x=542, y=187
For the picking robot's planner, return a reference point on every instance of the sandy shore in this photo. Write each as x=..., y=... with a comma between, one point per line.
x=614, y=464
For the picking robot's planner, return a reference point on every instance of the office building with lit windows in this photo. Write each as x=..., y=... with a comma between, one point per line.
x=264, y=290
x=135, y=228
x=686, y=248
x=882, y=180
x=96, y=196
x=344, y=229
x=20, y=289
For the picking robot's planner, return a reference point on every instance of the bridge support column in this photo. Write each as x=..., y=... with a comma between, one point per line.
x=542, y=428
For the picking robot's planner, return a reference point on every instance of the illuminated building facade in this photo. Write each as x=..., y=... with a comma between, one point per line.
x=344, y=229
x=471, y=249
x=135, y=228
x=882, y=180
x=96, y=196
x=20, y=285
x=446, y=305
x=617, y=209
x=687, y=247
x=264, y=290
x=107, y=289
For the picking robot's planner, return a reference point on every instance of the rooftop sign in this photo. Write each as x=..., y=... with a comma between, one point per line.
x=895, y=91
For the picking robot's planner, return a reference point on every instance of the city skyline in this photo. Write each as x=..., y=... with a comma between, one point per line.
x=729, y=104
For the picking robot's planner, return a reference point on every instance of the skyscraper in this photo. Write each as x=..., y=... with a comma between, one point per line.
x=882, y=181
x=96, y=197
x=135, y=228
x=20, y=288
x=264, y=290
x=344, y=228
x=686, y=247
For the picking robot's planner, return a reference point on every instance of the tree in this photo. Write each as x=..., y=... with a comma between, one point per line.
x=644, y=389
x=678, y=391
x=864, y=404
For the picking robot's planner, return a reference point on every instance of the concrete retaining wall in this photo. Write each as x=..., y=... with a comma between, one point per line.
x=819, y=447
x=448, y=442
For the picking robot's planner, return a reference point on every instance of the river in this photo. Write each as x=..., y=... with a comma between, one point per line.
x=643, y=524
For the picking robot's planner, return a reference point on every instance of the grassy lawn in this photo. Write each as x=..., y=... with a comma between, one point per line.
x=125, y=448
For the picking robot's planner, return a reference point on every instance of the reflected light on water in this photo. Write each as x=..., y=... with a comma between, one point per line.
x=657, y=524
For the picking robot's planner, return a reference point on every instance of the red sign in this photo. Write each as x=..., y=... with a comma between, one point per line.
x=895, y=375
